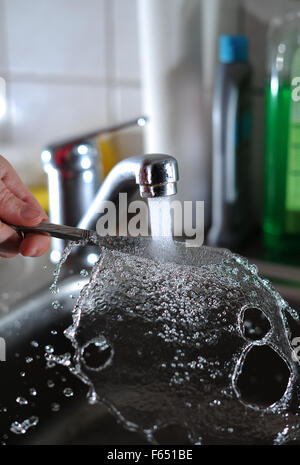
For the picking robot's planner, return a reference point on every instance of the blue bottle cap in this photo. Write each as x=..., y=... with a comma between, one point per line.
x=233, y=49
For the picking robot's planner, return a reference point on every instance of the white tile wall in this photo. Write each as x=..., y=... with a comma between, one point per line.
x=127, y=64
x=73, y=65
x=3, y=47
x=56, y=37
x=70, y=66
x=127, y=102
x=43, y=112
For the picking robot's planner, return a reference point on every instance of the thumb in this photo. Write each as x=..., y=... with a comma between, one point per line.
x=15, y=211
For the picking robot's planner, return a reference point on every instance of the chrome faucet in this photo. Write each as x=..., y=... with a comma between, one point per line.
x=155, y=174
x=74, y=176
x=74, y=179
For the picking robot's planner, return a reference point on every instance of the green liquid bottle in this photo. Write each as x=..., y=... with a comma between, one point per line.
x=281, y=221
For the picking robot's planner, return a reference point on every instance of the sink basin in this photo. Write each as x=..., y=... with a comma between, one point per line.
x=21, y=277
x=50, y=393
x=31, y=329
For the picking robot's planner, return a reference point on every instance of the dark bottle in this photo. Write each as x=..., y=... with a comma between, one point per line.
x=231, y=210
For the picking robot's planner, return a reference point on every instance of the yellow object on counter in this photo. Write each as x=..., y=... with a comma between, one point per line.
x=41, y=194
x=108, y=154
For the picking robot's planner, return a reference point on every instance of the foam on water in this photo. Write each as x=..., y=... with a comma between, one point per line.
x=169, y=341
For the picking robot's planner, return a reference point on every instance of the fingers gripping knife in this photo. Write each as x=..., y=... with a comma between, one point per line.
x=156, y=175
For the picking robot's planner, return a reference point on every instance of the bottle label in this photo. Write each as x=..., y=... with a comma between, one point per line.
x=293, y=161
x=293, y=169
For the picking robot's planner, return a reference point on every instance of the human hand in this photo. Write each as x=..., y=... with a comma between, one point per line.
x=19, y=207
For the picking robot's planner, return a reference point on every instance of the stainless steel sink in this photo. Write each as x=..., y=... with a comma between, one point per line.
x=33, y=326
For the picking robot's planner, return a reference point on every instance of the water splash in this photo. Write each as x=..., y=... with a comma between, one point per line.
x=165, y=340
x=22, y=428
x=67, y=251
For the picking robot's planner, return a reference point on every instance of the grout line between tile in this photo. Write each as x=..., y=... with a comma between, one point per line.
x=68, y=80
x=110, y=58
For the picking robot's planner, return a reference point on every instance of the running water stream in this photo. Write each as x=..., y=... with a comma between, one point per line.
x=160, y=217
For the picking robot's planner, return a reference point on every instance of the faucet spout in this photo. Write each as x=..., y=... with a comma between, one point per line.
x=155, y=174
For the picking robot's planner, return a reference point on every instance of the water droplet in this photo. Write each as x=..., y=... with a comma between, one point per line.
x=21, y=400
x=50, y=364
x=49, y=349
x=84, y=273
x=68, y=392
x=32, y=391
x=55, y=407
x=53, y=288
x=92, y=397
x=98, y=354
x=55, y=304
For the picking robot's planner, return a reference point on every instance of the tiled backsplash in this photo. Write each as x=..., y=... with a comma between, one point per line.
x=73, y=65
x=70, y=66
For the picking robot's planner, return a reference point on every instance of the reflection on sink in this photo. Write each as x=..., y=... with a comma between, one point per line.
x=31, y=329
x=21, y=276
